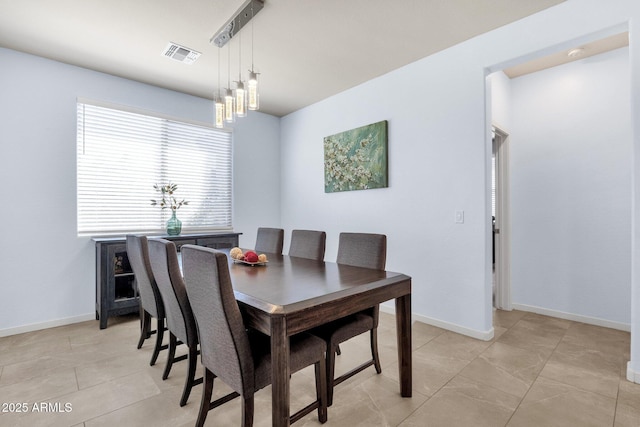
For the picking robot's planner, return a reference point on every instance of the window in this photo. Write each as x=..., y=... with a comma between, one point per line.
x=122, y=154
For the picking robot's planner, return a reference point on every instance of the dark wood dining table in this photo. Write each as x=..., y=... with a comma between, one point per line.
x=289, y=295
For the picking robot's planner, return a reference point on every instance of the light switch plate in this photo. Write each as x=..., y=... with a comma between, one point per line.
x=459, y=217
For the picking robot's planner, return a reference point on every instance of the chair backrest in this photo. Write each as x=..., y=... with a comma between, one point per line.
x=270, y=240
x=138, y=254
x=363, y=250
x=166, y=270
x=308, y=244
x=224, y=343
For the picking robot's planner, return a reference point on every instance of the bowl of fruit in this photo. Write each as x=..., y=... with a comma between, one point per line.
x=248, y=257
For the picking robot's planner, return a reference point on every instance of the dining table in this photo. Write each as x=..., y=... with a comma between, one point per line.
x=288, y=295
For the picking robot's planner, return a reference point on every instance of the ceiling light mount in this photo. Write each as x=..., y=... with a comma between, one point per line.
x=243, y=15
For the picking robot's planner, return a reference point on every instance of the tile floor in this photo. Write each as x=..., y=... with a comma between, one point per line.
x=538, y=371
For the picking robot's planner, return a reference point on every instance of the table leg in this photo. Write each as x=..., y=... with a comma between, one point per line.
x=279, y=372
x=403, y=328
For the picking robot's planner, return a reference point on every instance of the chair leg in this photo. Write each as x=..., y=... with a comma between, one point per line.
x=159, y=338
x=191, y=373
x=374, y=350
x=321, y=389
x=247, y=411
x=172, y=352
x=145, y=326
x=331, y=366
x=205, y=403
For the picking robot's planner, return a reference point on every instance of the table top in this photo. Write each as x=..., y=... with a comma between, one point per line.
x=286, y=284
x=309, y=292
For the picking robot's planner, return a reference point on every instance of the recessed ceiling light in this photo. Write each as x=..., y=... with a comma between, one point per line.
x=574, y=53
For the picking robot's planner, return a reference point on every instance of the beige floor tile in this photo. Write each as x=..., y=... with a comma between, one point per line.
x=535, y=333
x=158, y=410
x=626, y=416
x=34, y=368
x=464, y=402
x=550, y=403
x=548, y=322
x=86, y=404
x=628, y=408
x=90, y=374
x=45, y=387
x=498, y=331
x=421, y=333
x=599, y=338
x=432, y=369
x=506, y=368
x=376, y=401
x=455, y=346
x=629, y=394
x=585, y=368
x=455, y=378
x=507, y=319
x=30, y=350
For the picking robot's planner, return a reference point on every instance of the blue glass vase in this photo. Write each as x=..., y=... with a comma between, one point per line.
x=174, y=225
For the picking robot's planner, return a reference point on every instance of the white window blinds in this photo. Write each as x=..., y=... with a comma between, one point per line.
x=122, y=154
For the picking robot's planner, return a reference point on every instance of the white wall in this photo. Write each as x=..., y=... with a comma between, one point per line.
x=47, y=273
x=586, y=105
x=439, y=155
x=570, y=189
x=501, y=107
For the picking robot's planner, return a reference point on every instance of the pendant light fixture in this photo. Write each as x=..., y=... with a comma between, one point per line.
x=218, y=104
x=253, y=97
x=241, y=93
x=229, y=104
x=245, y=96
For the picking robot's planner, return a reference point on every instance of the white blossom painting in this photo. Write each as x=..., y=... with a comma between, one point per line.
x=356, y=159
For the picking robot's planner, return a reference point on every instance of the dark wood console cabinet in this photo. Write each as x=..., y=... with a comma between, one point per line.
x=116, y=289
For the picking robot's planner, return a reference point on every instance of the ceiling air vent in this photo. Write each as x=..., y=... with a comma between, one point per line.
x=181, y=53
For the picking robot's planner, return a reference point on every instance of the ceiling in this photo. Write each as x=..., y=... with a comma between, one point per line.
x=564, y=56
x=305, y=50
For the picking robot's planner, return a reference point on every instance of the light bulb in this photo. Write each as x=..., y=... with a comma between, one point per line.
x=241, y=100
x=219, y=105
x=253, y=96
x=228, y=107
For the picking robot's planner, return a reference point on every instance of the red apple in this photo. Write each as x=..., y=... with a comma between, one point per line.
x=251, y=256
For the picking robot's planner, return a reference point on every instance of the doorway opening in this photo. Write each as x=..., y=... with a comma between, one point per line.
x=501, y=223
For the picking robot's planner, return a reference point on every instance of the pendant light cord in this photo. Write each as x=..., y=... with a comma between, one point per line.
x=239, y=56
x=251, y=36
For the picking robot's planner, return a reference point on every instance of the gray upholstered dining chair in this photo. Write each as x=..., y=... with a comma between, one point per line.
x=151, y=304
x=180, y=321
x=239, y=357
x=359, y=250
x=308, y=244
x=270, y=240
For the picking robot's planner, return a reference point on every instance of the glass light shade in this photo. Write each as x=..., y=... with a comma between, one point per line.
x=229, y=105
x=253, y=95
x=219, y=113
x=241, y=100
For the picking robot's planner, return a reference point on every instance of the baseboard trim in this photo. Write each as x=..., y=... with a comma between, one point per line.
x=473, y=333
x=633, y=376
x=575, y=317
x=45, y=325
